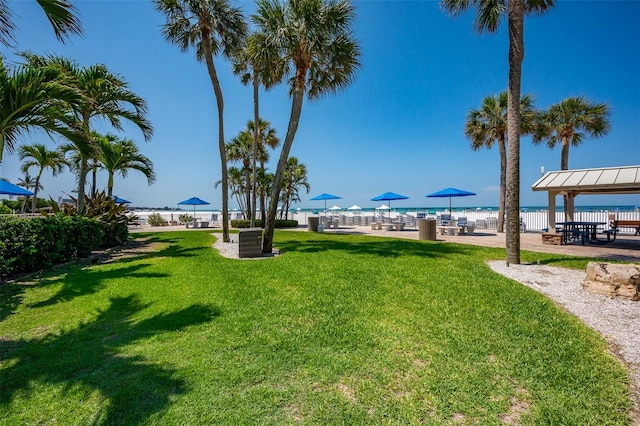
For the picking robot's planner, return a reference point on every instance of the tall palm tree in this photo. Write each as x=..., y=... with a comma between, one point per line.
x=487, y=18
x=313, y=38
x=213, y=27
x=294, y=178
x=104, y=95
x=566, y=123
x=37, y=155
x=240, y=149
x=28, y=183
x=60, y=13
x=120, y=156
x=488, y=125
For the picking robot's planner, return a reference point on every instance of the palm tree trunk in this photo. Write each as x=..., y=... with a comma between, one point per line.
x=247, y=191
x=503, y=183
x=256, y=133
x=564, y=165
x=294, y=119
x=110, y=185
x=263, y=200
x=206, y=43
x=82, y=181
x=35, y=192
x=516, y=55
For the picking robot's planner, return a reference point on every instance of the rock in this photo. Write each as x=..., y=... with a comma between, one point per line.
x=613, y=279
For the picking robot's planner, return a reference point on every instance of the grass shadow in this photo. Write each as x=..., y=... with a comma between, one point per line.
x=83, y=282
x=91, y=358
x=366, y=244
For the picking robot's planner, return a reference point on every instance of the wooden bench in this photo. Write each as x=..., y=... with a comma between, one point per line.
x=627, y=224
x=444, y=228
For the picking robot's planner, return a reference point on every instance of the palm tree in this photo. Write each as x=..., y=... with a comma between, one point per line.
x=266, y=139
x=27, y=182
x=32, y=97
x=313, y=39
x=240, y=149
x=104, y=95
x=120, y=156
x=566, y=123
x=213, y=27
x=60, y=13
x=488, y=17
x=488, y=125
x=237, y=185
x=294, y=178
x=252, y=65
x=37, y=155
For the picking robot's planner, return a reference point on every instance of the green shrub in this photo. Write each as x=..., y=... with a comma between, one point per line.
x=184, y=218
x=113, y=216
x=31, y=244
x=4, y=209
x=243, y=223
x=154, y=219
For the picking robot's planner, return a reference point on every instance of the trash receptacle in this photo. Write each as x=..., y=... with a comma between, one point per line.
x=313, y=222
x=427, y=229
x=250, y=242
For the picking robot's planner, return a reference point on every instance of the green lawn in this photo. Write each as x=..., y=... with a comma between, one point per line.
x=339, y=330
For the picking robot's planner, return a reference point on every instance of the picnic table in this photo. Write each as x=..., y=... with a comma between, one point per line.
x=585, y=232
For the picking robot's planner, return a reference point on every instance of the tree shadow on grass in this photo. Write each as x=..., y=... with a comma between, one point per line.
x=83, y=282
x=383, y=247
x=90, y=358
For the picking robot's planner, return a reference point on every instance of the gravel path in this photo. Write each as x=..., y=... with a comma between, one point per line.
x=618, y=320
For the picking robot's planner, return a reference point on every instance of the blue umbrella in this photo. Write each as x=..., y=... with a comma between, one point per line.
x=120, y=200
x=11, y=189
x=194, y=201
x=324, y=196
x=450, y=192
x=389, y=196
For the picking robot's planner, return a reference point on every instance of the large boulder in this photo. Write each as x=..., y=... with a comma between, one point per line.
x=613, y=279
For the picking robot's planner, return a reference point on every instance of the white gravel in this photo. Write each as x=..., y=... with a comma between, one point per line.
x=618, y=320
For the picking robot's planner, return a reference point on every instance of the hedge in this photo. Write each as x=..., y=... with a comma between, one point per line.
x=32, y=244
x=260, y=223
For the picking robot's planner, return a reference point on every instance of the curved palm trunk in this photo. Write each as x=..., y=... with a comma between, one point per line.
x=223, y=154
x=516, y=55
x=256, y=133
x=503, y=182
x=294, y=119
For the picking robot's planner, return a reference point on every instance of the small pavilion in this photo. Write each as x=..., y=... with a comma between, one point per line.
x=608, y=180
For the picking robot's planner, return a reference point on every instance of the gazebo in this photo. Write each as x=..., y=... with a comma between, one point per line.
x=607, y=180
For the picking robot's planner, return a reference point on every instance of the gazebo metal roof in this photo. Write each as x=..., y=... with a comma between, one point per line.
x=607, y=180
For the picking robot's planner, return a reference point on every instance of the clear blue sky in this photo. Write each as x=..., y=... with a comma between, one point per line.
x=398, y=127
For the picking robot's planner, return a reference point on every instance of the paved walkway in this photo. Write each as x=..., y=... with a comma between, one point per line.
x=626, y=247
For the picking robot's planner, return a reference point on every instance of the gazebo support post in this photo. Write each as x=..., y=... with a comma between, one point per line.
x=552, y=211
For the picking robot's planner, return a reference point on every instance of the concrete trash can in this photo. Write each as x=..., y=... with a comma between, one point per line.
x=427, y=229
x=250, y=242
x=313, y=222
